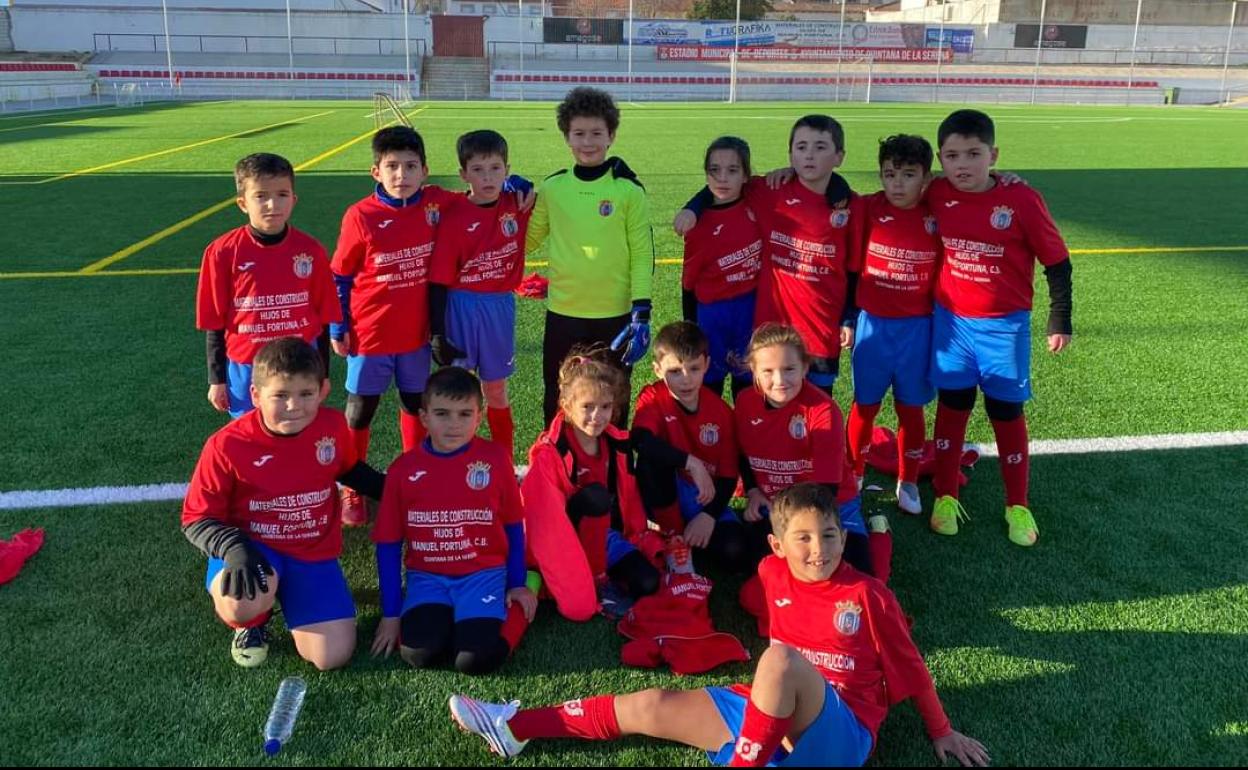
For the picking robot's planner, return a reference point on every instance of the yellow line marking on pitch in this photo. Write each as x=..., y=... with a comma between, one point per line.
x=169, y=151
x=177, y=227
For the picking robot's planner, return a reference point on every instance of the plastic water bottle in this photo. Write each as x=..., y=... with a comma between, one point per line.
x=284, y=713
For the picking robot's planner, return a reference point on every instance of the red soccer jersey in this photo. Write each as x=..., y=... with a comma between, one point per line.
x=852, y=630
x=804, y=440
x=481, y=248
x=899, y=261
x=388, y=251
x=450, y=511
x=259, y=293
x=279, y=490
x=723, y=253
x=708, y=434
x=809, y=250
x=991, y=242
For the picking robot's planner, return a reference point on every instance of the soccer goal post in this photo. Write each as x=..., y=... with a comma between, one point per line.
x=387, y=111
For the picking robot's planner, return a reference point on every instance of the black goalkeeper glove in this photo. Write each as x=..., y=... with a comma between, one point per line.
x=246, y=570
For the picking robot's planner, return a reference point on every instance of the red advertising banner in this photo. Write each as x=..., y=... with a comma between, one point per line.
x=755, y=54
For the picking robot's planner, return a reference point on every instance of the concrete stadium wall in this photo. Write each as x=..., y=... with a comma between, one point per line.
x=49, y=29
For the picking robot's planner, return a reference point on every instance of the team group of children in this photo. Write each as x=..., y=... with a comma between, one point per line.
x=928, y=282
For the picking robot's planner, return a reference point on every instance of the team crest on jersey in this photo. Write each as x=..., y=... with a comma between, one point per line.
x=797, y=427
x=509, y=225
x=929, y=224
x=1002, y=217
x=325, y=450
x=433, y=214
x=708, y=434
x=478, y=475
x=839, y=218
x=303, y=266
x=605, y=208
x=848, y=618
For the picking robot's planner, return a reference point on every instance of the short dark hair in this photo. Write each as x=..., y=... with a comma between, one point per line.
x=480, y=143
x=455, y=383
x=288, y=357
x=734, y=143
x=682, y=339
x=398, y=139
x=971, y=123
x=260, y=164
x=586, y=102
x=825, y=123
x=799, y=498
x=906, y=150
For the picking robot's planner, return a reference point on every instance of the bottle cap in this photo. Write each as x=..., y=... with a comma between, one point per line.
x=271, y=747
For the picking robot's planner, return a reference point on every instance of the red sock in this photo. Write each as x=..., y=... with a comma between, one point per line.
x=359, y=437
x=514, y=626
x=589, y=718
x=880, y=544
x=502, y=427
x=950, y=434
x=910, y=436
x=861, y=422
x=760, y=735
x=1014, y=457
x=411, y=430
x=255, y=622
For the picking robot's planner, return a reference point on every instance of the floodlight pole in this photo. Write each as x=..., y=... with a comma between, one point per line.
x=520, y=34
x=1226, y=57
x=733, y=66
x=407, y=55
x=290, y=48
x=164, y=12
x=630, y=50
x=1035, y=76
x=840, y=52
x=940, y=50
x=1135, y=38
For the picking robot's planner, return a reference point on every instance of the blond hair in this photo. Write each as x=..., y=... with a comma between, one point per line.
x=771, y=335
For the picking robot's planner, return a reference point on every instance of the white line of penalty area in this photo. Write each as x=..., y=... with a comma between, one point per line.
x=62, y=498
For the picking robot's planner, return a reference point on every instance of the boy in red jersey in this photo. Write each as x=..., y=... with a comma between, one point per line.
x=893, y=345
x=812, y=225
x=840, y=656
x=455, y=503
x=687, y=450
x=381, y=269
x=263, y=508
x=992, y=235
x=260, y=282
x=478, y=262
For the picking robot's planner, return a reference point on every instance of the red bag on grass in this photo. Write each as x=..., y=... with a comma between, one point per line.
x=15, y=552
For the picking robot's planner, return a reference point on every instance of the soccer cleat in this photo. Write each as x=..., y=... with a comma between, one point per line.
x=250, y=647
x=908, y=498
x=878, y=524
x=489, y=720
x=1023, y=529
x=354, y=514
x=946, y=514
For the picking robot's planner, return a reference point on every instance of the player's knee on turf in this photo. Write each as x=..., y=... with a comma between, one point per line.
x=360, y=410
x=328, y=645
x=479, y=648
x=235, y=611
x=425, y=634
x=1002, y=411
x=410, y=401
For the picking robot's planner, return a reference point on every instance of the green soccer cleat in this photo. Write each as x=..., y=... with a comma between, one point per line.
x=1023, y=529
x=250, y=647
x=946, y=514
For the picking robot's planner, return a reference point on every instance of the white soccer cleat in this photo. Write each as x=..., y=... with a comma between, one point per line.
x=489, y=720
x=908, y=498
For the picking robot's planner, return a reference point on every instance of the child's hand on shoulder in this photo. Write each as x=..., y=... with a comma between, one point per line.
x=684, y=222
x=528, y=602
x=779, y=177
x=386, y=640
x=342, y=347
